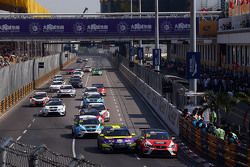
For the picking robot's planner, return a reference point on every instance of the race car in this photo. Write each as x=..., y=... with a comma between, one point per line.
x=78, y=73
x=92, y=112
x=97, y=71
x=87, y=69
x=55, y=86
x=76, y=82
x=116, y=137
x=79, y=60
x=54, y=106
x=66, y=90
x=39, y=99
x=91, y=97
x=102, y=109
x=156, y=142
x=86, y=124
x=88, y=90
x=101, y=89
x=57, y=77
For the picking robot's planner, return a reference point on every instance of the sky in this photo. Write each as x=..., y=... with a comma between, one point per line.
x=71, y=6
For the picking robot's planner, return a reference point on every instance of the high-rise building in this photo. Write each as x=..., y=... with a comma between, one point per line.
x=108, y=6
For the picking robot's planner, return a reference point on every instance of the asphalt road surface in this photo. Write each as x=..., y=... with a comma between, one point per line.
x=24, y=124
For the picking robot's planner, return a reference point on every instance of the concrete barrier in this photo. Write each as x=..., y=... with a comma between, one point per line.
x=165, y=110
x=18, y=80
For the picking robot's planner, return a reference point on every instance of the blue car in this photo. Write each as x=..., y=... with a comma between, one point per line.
x=86, y=125
x=91, y=97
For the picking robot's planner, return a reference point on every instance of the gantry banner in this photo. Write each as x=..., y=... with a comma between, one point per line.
x=65, y=27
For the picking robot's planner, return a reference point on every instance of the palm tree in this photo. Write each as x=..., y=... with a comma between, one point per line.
x=221, y=102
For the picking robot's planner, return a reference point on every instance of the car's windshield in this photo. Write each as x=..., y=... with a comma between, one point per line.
x=98, y=85
x=91, y=90
x=54, y=103
x=95, y=113
x=66, y=87
x=40, y=96
x=97, y=107
x=75, y=80
x=93, y=96
x=89, y=121
x=57, y=83
x=158, y=136
x=116, y=132
x=77, y=72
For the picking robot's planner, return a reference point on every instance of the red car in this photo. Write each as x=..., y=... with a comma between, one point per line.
x=101, y=89
x=156, y=142
x=39, y=99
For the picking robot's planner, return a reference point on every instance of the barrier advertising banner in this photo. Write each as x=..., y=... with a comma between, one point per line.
x=66, y=27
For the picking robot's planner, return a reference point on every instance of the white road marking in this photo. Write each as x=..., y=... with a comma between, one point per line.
x=19, y=138
x=136, y=156
x=73, y=148
x=33, y=120
x=121, y=119
x=119, y=115
x=74, y=141
x=12, y=145
x=29, y=125
x=118, y=110
x=24, y=131
x=114, y=99
x=116, y=106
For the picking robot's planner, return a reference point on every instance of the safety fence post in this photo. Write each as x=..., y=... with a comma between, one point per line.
x=3, y=151
x=34, y=156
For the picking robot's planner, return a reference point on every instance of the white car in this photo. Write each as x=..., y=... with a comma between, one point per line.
x=102, y=109
x=39, y=99
x=66, y=90
x=54, y=106
x=87, y=69
x=57, y=77
x=78, y=73
x=55, y=86
x=88, y=90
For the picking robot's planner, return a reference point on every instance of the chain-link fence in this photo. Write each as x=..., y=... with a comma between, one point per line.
x=15, y=154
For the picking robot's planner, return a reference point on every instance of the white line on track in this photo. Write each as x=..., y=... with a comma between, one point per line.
x=121, y=119
x=33, y=120
x=136, y=156
x=29, y=125
x=116, y=106
x=114, y=99
x=74, y=140
x=119, y=115
x=118, y=110
x=19, y=138
x=24, y=131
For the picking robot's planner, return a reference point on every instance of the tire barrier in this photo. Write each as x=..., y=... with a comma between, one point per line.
x=221, y=152
x=12, y=99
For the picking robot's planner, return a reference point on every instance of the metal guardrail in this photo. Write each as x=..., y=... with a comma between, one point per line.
x=15, y=154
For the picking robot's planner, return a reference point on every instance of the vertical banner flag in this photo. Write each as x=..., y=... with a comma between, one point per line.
x=193, y=65
x=156, y=57
x=140, y=53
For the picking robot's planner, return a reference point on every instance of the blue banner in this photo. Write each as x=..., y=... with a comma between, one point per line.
x=68, y=27
x=140, y=53
x=193, y=65
x=156, y=57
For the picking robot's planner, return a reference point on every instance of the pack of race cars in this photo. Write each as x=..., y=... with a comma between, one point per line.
x=93, y=116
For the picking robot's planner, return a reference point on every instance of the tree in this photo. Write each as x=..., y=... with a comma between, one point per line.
x=221, y=102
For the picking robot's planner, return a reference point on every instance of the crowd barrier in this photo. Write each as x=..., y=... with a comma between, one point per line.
x=218, y=150
x=32, y=82
x=167, y=112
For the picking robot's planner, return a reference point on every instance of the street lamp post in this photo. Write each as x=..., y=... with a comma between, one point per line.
x=140, y=42
x=193, y=82
x=157, y=40
x=131, y=42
